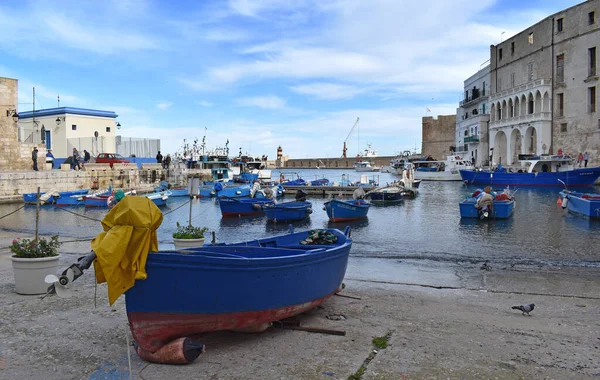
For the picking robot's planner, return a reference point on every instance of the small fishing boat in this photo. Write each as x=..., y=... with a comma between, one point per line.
x=179, y=191
x=159, y=199
x=243, y=206
x=365, y=166
x=535, y=171
x=346, y=210
x=77, y=199
x=97, y=201
x=221, y=189
x=51, y=196
x=446, y=170
x=392, y=193
x=320, y=182
x=586, y=204
x=288, y=211
x=502, y=207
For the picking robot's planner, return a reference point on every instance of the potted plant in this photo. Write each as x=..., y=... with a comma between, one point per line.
x=188, y=236
x=32, y=261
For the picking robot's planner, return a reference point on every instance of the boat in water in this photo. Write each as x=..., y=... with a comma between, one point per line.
x=159, y=198
x=501, y=207
x=446, y=170
x=365, y=166
x=391, y=194
x=288, y=211
x=53, y=196
x=243, y=206
x=586, y=204
x=535, y=171
x=341, y=210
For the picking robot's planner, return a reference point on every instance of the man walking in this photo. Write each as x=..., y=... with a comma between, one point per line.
x=585, y=159
x=75, y=160
x=159, y=158
x=34, y=157
x=86, y=156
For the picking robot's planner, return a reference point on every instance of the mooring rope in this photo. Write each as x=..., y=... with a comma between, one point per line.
x=2, y=217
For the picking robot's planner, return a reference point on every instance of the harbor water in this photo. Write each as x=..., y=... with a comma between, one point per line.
x=427, y=228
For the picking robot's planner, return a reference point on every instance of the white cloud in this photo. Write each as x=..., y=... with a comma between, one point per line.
x=267, y=102
x=329, y=91
x=164, y=105
x=204, y=103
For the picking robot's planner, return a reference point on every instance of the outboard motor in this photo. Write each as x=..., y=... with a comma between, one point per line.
x=300, y=195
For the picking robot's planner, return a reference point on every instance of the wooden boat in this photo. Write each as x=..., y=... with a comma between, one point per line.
x=52, y=196
x=346, y=210
x=234, y=286
x=387, y=194
x=503, y=206
x=581, y=203
x=320, y=182
x=159, y=199
x=288, y=211
x=243, y=206
x=98, y=201
x=535, y=171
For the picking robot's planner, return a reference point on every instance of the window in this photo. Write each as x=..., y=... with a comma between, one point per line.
x=559, y=25
x=512, y=48
x=499, y=113
x=530, y=72
x=500, y=54
x=483, y=90
x=511, y=110
x=530, y=104
x=563, y=128
x=465, y=148
x=592, y=61
x=592, y=99
x=592, y=18
x=73, y=127
x=560, y=68
x=483, y=108
x=561, y=105
x=107, y=129
x=530, y=39
x=512, y=79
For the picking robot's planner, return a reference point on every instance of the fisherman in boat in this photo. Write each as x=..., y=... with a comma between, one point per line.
x=485, y=202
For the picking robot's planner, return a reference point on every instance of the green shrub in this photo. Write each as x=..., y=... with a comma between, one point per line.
x=189, y=232
x=29, y=248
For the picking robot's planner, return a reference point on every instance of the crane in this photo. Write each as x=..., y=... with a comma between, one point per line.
x=347, y=137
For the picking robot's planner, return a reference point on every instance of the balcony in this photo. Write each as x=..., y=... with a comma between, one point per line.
x=475, y=97
x=531, y=118
x=471, y=139
x=535, y=84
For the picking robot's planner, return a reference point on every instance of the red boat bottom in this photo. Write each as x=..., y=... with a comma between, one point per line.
x=179, y=351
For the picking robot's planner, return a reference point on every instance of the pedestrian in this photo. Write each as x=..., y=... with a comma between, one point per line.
x=86, y=156
x=159, y=158
x=167, y=161
x=579, y=159
x=585, y=159
x=50, y=157
x=75, y=160
x=34, y=157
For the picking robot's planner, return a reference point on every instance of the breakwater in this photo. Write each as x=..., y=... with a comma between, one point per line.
x=333, y=163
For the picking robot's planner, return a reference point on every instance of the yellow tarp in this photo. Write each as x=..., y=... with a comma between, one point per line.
x=122, y=249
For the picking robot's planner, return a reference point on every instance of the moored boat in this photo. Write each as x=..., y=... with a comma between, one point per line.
x=586, y=204
x=387, y=194
x=502, y=205
x=535, y=171
x=51, y=196
x=446, y=170
x=159, y=198
x=243, y=206
x=365, y=166
x=288, y=211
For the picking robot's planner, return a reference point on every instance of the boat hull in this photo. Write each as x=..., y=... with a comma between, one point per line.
x=438, y=176
x=341, y=211
x=99, y=201
x=500, y=209
x=288, y=211
x=575, y=177
x=159, y=199
x=223, y=287
x=61, y=200
x=386, y=196
x=582, y=204
x=243, y=206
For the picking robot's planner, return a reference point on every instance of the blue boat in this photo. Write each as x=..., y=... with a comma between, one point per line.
x=159, y=199
x=175, y=191
x=243, y=206
x=245, y=285
x=288, y=211
x=97, y=201
x=50, y=198
x=503, y=205
x=346, y=210
x=225, y=190
x=581, y=203
x=320, y=182
x=77, y=199
x=536, y=171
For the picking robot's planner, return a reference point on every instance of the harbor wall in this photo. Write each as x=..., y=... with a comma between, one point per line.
x=333, y=163
x=14, y=184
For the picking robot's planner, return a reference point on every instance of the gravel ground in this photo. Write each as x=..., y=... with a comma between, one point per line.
x=443, y=321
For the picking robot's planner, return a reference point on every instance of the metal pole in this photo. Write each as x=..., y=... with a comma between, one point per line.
x=37, y=214
x=190, y=220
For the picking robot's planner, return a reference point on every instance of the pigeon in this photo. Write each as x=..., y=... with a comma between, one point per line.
x=524, y=308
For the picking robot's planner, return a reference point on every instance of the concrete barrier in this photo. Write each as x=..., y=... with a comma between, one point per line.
x=156, y=166
x=125, y=166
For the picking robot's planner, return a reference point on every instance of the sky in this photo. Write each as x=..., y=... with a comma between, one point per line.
x=259, y=73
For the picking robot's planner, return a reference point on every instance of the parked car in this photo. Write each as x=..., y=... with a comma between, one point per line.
x=110, y=158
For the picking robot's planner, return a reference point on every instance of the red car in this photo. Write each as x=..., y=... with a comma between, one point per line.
x=110, y=158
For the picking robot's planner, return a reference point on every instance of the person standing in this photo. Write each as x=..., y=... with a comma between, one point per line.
x=585, y=159
x=75, y=160
x=579, y=159
x=159, y=158
x=34, y=157
x=86, y=156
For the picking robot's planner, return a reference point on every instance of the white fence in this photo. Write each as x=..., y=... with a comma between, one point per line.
x=140, y=147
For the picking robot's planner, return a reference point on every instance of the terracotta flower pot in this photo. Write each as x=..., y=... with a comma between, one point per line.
x=30, y=273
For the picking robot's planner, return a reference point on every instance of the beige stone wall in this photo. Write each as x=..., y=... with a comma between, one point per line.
x=438, y=136
x=11, y=155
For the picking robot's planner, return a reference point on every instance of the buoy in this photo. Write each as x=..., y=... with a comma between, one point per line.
x=179, y=351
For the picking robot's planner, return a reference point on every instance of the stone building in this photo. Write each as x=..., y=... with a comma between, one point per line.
x=544, y=86
x=14, y=156
x=473, y=117
x=438, y=136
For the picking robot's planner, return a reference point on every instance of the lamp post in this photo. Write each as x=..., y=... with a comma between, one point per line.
x=14, y=114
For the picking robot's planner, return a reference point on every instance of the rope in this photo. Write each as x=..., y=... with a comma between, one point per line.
x=177, y=208
x=2, y=217
x=74, y=213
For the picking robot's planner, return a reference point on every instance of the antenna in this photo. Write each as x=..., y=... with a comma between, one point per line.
x=58, y=99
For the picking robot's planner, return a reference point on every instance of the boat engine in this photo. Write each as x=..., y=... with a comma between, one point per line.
x=565, y=202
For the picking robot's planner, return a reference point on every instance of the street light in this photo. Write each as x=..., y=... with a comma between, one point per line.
x=118, y=125
x=58, y=120
x=14, y=114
